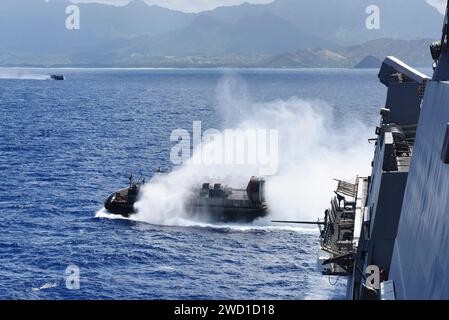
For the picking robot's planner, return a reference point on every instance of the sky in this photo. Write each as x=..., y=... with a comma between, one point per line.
x=202, y=5
x=183, y=5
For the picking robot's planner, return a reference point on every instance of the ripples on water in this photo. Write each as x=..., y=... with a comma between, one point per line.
x=66, y=145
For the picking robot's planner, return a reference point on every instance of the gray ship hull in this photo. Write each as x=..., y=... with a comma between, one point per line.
x=399, y=232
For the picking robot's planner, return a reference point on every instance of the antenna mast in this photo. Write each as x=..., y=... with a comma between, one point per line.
x=440, y=52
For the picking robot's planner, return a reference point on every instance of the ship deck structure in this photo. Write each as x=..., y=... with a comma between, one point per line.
x=396, y=220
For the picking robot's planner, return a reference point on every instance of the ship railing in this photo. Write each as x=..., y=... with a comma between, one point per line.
x=337, y=233
x=422, y=89
x=330, y=249
x=334, y=208
x=346, y=188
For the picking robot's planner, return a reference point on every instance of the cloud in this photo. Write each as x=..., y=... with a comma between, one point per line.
x=183, y=5
x=439, y=4
x=113, y=2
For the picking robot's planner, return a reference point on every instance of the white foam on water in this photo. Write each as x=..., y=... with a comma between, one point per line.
x=47, y=285
x=103, y=213
x=19, y=74
x=258, y=225
x=312, y=151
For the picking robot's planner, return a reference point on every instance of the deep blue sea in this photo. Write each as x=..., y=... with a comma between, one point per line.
x=66, y=145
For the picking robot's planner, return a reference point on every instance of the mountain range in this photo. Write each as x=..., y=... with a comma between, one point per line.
x=281, y=33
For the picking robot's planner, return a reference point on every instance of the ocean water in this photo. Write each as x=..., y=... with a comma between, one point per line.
x=66, y=145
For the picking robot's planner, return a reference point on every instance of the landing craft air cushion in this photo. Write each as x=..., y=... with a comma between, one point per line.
x=57, y=77
x=214, y=202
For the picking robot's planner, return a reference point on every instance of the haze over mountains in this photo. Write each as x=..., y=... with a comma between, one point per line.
x=284, y=33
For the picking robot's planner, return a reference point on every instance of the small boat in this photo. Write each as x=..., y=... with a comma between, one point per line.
x=58, y=77
x=213, y=202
